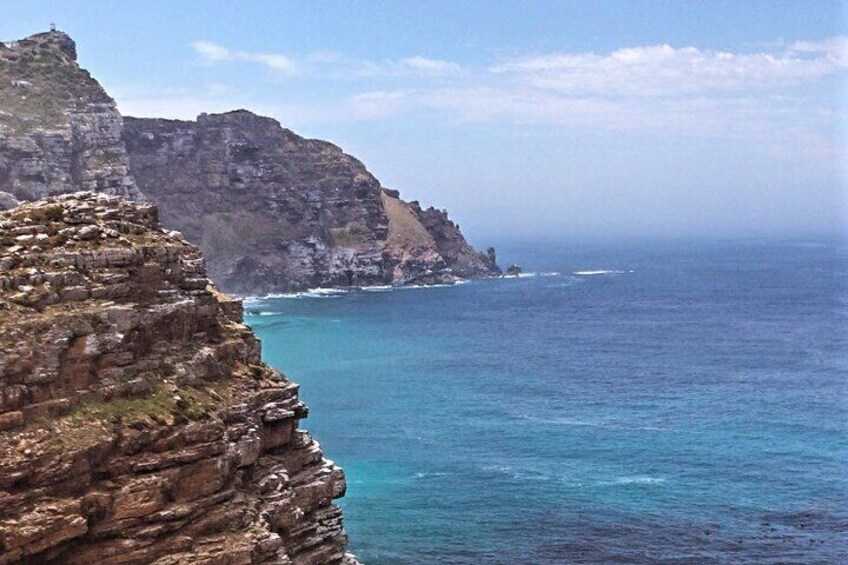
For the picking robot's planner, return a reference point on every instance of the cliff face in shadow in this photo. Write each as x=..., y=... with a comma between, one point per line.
x=138, y=424
x=275, y=211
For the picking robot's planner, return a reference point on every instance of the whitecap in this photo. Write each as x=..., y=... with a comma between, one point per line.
x=598, y=272
x=562, y=421
x=429, y=475
x=634, y=480
x=520, y=474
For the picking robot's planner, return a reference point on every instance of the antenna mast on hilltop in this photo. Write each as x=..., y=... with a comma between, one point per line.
x=52, y=26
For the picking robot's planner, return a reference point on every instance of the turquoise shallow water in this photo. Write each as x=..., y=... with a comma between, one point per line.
x=688, y=407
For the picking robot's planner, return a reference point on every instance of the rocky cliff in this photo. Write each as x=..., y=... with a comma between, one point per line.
x=271, y=210
x=274, y=211
x=137, y=422
x=59, y=130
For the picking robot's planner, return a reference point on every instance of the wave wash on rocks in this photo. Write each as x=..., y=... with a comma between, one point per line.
x=137, y=421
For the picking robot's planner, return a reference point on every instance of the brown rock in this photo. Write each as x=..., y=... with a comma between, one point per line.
x=139, y=425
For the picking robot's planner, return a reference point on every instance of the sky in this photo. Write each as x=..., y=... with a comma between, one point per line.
x=556, y=118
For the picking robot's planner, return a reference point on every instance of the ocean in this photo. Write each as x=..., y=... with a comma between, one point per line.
x=642, y=402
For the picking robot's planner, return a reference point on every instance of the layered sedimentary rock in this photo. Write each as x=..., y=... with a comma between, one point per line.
x=59, y=130
x=137, y=422
x=274, y=211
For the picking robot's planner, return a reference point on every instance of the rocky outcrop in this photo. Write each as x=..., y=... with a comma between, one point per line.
x=274, y=211
x=463, y=259
x=137, y=421
x=59, y=130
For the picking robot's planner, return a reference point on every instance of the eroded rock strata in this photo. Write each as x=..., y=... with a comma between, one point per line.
x=137, y=422
x=59, y=130
x=275, y=211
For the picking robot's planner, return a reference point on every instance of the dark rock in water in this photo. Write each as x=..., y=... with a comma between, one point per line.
x=276, y=212
x=514, y=271
x=138, y=423
x=492, y=257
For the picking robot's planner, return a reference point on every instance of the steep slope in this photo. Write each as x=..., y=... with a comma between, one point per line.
x=137, y=422
x=274, y=211
x=59, y=130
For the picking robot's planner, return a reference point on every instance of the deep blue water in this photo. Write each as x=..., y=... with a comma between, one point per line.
x=688, y=408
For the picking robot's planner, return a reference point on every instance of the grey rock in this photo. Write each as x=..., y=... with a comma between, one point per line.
x=59, y=130
x=274, y=211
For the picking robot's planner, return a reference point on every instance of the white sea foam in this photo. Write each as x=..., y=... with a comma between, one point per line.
x=520, y=474
x=311, y=293
x=429, y=475
x=378, y=288
x=423, y=286
x=532, y=274
x=339, y=292
x=321, y=292
x=563, y=421
x=635, y=480
x=598, y=272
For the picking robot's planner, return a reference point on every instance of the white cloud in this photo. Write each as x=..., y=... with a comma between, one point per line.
x=835, y=49
x=427, y=65
x=776, y=91
x=330, y=64
x=213, y=53
x=663, y=70
x=378, y=104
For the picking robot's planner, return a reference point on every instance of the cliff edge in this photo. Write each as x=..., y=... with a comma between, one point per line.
x=137, y=421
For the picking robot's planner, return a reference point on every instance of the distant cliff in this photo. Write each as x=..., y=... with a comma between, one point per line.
x=271, y=211
x=59, y=130
x=274, y=211
x=138, y=424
